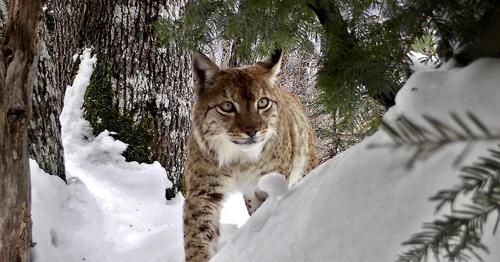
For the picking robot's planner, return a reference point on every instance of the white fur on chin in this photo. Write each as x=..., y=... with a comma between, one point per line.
x=229, y=152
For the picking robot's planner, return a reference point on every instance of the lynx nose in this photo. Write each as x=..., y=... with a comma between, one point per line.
x=251, y=127
x=251, y=133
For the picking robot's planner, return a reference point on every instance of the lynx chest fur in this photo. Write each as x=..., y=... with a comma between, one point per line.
x=243, y=127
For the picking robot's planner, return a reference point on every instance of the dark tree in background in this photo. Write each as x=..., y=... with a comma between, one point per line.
x=139, y=90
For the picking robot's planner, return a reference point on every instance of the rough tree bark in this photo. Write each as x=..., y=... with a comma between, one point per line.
x=147, y=81
x=17, y=54
x=44, y=131
x=45, y=144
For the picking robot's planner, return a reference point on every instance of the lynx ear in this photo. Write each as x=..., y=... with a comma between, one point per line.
x=272, y=64
x=204, y=71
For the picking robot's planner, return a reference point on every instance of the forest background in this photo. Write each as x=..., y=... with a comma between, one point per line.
x=345, y=59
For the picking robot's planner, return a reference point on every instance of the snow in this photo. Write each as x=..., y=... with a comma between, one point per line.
x=420, y=62
x=274, y=184
x=359, y=206
x=234, y=212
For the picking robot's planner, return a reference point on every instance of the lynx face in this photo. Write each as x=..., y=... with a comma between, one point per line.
x=237, y=112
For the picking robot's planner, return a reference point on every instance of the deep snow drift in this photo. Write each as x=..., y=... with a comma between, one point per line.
x=359, y=206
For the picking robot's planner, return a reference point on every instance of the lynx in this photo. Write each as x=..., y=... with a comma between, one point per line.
x=243, y=127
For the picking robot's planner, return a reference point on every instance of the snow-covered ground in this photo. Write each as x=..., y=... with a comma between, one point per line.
x=111, y=210
x=359, y=206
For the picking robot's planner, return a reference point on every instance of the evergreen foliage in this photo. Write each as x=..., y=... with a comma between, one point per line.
x=458, y=236
x=365, y=122
x=359, y=57
x=104, y=115
x=426, y=141
x=455, y=236
x=364, y=43
x=464, y=30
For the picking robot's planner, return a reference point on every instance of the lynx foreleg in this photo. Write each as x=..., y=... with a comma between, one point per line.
x=201, y=223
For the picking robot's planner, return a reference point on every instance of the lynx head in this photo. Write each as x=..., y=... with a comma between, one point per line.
x=236, y=109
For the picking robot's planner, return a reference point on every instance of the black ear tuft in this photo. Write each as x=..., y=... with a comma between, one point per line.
x=276, y=56
x=273, y=61
x=198, y=72
x=272, y=64
x=204, y=71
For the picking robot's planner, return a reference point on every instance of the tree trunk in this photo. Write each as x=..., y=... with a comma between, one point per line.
x=148, y=82
x=44, y=131
x=45, y=128
x=17, y=55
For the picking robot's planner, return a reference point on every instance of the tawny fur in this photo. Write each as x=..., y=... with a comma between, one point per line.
x=230, y=151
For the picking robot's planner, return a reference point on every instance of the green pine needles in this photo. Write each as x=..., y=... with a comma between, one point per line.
x=455, y=236
x=359, y=57
x=364, y=44
x=257, y=26
x=103, y=114
x=428, y=140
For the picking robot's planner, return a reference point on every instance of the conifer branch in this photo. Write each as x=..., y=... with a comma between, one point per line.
x=457, y=236
x=435, y=135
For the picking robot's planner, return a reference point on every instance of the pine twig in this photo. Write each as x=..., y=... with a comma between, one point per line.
x=457, y=236
x=436, y=135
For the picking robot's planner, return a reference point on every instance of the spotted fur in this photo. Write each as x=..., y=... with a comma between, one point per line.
x=243, y=127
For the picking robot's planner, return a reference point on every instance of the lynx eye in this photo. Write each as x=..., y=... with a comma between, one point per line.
x=263, y=103
x=227, y=107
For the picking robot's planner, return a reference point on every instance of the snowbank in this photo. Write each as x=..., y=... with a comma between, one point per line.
x=361, y=205
x=111, y=210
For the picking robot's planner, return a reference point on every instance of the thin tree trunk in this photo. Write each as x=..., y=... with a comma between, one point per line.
x=17, y=55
